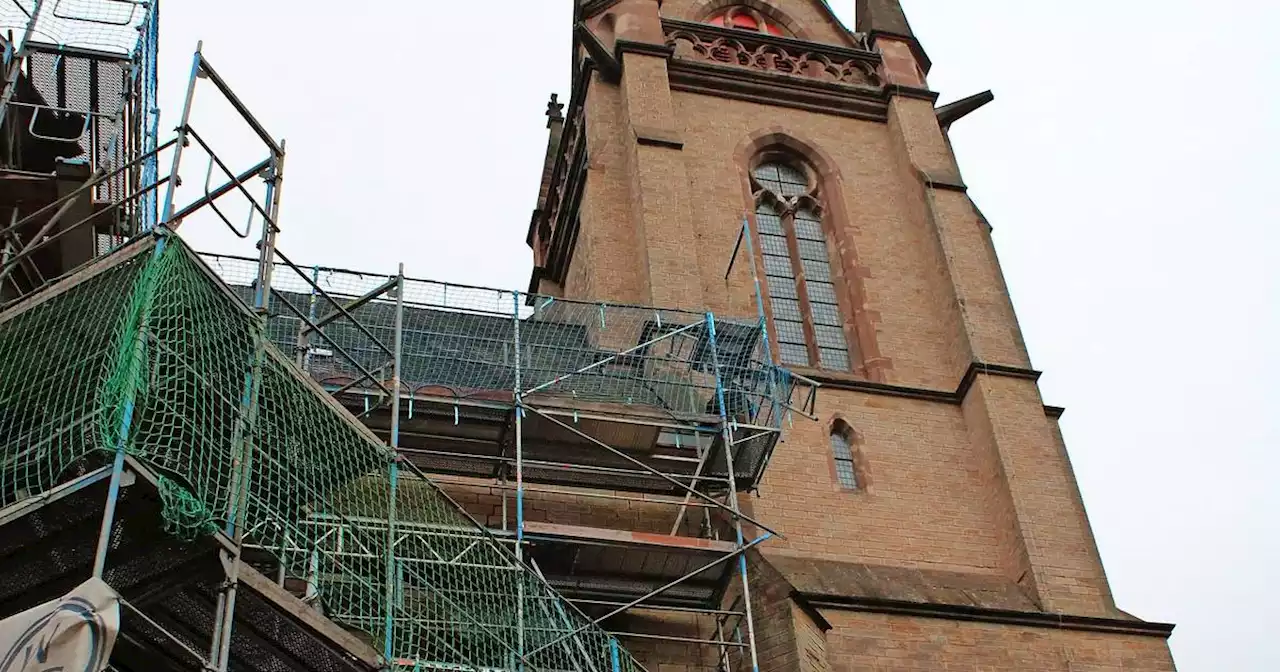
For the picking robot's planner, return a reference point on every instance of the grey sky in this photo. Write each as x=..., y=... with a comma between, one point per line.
x=1127, y=166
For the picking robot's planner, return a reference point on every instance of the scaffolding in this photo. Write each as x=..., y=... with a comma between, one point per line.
x=536, y=396
x=254, y=453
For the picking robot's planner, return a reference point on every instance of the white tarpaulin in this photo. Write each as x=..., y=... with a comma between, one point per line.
x=72, y=634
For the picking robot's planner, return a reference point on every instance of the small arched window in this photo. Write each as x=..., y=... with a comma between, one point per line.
x=842, y=454
x=808, y=325
x=746, y=18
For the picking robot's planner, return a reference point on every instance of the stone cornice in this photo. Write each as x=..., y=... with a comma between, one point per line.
x=785, y=43
x=984, y=615
x=836, y=381
x=648, y=49
x=762, y=68
x=658, y=137
x=977, y=368
x=782, y=90
x=911, y=92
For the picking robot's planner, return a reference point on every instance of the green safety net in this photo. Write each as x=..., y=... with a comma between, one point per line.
x=150, y=353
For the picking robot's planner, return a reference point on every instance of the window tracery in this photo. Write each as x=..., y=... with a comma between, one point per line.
x=808, y=323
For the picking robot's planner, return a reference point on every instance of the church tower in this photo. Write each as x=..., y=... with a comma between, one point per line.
x=929, y=516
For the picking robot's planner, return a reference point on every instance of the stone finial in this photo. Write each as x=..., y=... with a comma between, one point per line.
x=555, y=110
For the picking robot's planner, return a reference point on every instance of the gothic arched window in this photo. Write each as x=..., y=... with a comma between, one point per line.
x=807, y=321
x=846, y=467
x=746, y=18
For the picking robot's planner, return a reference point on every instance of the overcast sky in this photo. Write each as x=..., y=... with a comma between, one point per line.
x=1128, y=166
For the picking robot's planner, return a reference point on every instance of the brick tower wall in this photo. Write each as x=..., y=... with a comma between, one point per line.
x=967, y=502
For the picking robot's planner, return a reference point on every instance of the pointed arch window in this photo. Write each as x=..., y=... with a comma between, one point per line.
x=746, y=18
x=808, y=323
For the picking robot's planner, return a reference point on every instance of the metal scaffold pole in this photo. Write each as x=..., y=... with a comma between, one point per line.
x=724, y=648
x=727, y=434
x=396, y=373
x=763, y=317
x=518, y=398
x=303, y=354
x=166, y=210
x=15, y=62
x=239, y=504
x=246, y=428
x=615, y=660
x=151, y=114
x=267, y=245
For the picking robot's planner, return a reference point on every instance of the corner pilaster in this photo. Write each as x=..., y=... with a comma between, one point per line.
x=658, y=178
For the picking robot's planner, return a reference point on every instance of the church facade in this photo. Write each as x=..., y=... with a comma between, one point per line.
x=738, y=156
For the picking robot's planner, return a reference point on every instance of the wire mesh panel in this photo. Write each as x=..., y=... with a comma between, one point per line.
x=84, y=92
x=477, y=343
x=460, y=341
x=143, y=124
x=353, y=345
x=102, y=25
x=81, y=103
x=627, y=355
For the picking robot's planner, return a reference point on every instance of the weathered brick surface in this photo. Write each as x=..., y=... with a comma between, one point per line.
x=776, y=641
x=1049, y=515
x=1012, y=556
x=943, y=305
x=659, y=194
x=880, y=643
x=977, y=288
x=611, y=266
x=927, y=504
x=811, y=642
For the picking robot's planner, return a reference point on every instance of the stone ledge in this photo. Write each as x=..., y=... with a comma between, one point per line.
x=844, y=381
x=996, y=616
x=923, y=593
x=646, y=48
x=658, y=137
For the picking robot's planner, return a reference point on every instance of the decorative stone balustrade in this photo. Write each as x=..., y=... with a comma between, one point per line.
x=771, y=54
